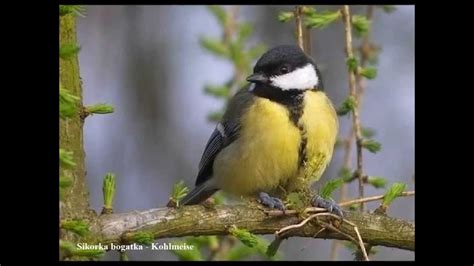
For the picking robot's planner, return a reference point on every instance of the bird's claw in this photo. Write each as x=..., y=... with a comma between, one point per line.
x=330, y=205
x=271, y=202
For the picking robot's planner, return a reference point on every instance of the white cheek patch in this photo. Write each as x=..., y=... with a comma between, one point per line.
x=301, y=79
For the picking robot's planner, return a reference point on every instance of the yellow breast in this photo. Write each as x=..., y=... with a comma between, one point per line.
x=321, y=123
x=265, y=154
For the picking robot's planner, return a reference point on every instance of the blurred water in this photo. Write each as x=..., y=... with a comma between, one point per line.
x=147, y=62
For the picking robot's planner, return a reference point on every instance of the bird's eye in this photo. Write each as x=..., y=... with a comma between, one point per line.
x=284, y=70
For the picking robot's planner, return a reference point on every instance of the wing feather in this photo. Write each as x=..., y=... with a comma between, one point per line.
x=224, y=134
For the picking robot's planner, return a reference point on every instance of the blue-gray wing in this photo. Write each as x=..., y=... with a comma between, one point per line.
x=223, y=135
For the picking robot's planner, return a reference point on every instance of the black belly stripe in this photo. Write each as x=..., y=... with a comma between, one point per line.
x=293, y=101
x=302, y=156
x=296, y=109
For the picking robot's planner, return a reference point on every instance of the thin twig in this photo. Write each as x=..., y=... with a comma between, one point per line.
x=311, y=217
x=361, y=244
x=301, y=224
x=230, y=25
x=358, y=242
x=333, y=228
x=299, y=27
x=361, y=84
x=374, y=198
x=317, y=233
x=352, y=91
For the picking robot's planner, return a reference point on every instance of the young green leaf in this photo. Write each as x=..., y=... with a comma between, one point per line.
x=179, y=191
x=272, y=249
x=352, y=63
x=90, y=253
x=361, y=25
x=100, y=108
x=143, y=238
x=108, y=189
x=322, y=20
x=285, y=16
x=247, y=238
x=218, y=198
x=78, y=227
x=345, y=174
x=308, y=11
x=367, y=132
x=368, y=72
x=215, y=46
x=66, y=158
x=377, y=181
x=217, y=91
x=347, y=106
x=219, y=13
x=392, y=193
x=67, y=110
x=67, y=103
x=65, y=182
x=186, y=254
x=371, y=145
x=329, y=187
x=68, y=50
x=262, y=248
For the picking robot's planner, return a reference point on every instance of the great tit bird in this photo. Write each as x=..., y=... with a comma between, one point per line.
x=272, y=129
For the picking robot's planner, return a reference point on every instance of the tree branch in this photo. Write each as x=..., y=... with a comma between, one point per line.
x=352, y=91
x=199, y=220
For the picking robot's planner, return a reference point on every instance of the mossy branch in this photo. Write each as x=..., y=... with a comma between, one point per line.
x=199, y=220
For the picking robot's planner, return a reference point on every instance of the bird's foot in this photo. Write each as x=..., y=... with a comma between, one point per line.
x=330, y=205
x=271, y=202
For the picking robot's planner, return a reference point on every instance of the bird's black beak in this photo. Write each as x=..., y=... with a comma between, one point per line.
x=257, y=78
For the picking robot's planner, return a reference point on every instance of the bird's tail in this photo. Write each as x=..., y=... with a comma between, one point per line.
x=198, y=194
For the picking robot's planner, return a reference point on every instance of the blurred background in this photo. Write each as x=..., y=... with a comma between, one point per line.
x=147, y=62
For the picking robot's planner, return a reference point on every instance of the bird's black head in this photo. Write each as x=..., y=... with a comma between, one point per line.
x=285, y=68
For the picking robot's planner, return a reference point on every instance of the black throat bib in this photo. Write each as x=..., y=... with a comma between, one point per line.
x=292, y=99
